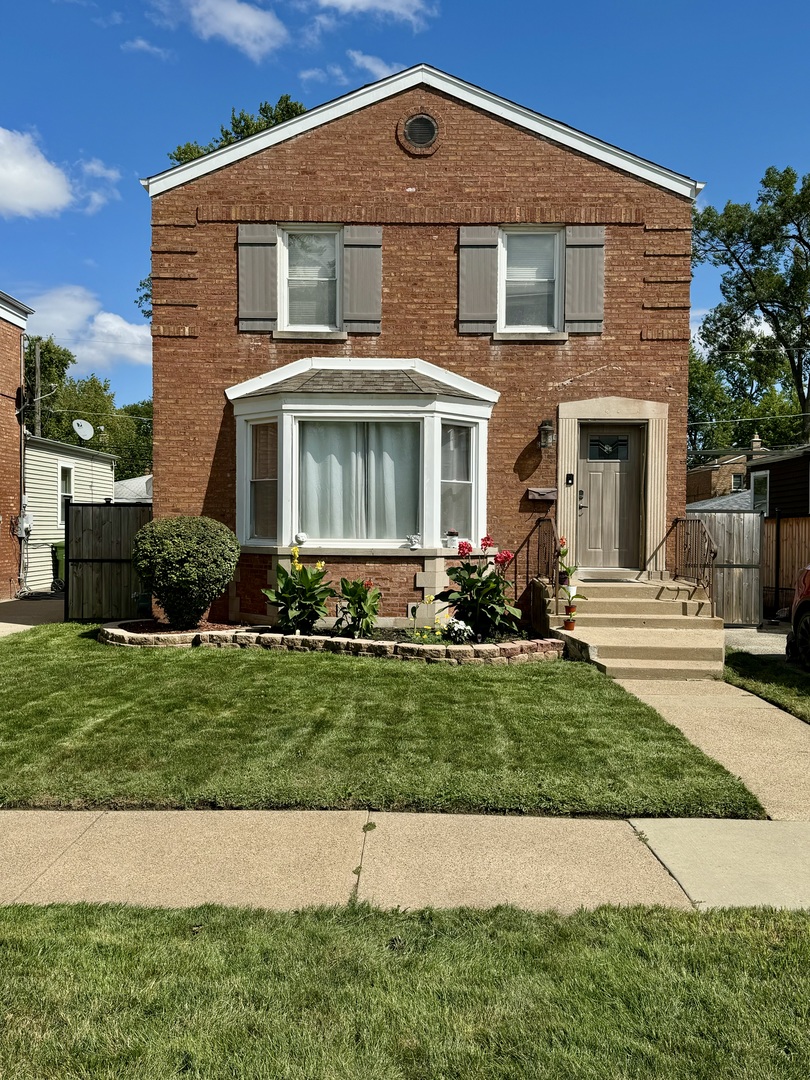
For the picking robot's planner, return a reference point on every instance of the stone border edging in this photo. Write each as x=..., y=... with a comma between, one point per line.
x=509, y=652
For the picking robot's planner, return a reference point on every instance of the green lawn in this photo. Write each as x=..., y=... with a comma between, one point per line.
x=772, y=678
x=85, y=725
x=105, y=993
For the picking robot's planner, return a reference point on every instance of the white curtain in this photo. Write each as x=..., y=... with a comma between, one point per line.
x=359, y=481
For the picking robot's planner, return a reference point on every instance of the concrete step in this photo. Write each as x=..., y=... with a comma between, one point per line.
x=641, y=590
x=621, y=606
x=660, y=669
x=650, y=622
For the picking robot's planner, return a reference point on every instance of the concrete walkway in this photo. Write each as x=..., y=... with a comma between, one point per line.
x=17, y=615
x=289, y=859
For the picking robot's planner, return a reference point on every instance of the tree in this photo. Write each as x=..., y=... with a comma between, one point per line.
x=765, y=313
x=242, y=125
x=54, y=361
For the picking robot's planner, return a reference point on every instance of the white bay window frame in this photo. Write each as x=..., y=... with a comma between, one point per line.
x=559, y=280
x=290, y=410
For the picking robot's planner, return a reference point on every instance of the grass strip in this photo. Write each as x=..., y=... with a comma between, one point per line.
x=87, y=725
x=355, y=993
x=773, y=679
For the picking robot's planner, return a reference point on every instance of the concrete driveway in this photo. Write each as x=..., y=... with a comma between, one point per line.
x=16, y=615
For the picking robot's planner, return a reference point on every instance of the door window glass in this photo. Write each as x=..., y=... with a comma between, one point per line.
x=607, y=448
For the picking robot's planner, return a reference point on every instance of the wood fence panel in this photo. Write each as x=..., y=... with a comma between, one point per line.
x=100, y=584
x=794, y=555
x=736, y=585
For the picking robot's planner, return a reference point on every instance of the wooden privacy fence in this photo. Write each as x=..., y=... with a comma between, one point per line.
x=736, y=587
x=100, y=584
x=781, y=563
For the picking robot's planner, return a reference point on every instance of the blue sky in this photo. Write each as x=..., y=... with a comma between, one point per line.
x=93, y=95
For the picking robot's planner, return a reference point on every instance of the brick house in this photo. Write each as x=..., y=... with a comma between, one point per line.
x=363, y=317
x=13, y=321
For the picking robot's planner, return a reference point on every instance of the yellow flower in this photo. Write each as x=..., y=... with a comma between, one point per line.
x=294, y=551
x=320, y=564
x=429, y=599
x=297, y=565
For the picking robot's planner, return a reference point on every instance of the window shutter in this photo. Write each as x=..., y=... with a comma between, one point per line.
x=584, y=279
x=477, y=279
x=362, y=279
x=258, y=277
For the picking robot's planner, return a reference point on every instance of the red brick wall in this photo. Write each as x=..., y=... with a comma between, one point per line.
x=9, y=456
x=353, y=170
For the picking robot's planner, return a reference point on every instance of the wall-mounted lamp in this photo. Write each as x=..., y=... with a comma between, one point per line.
x=546, y=436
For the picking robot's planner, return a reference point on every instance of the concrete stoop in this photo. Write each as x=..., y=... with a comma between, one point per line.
x=644, y=630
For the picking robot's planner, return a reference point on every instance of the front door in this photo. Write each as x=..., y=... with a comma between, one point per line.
x=610, y=503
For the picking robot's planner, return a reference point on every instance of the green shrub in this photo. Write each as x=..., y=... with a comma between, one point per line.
x=300, y=596
x=186, y=563
x=359, y=607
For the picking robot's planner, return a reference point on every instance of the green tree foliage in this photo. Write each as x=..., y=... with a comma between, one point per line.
x=54, y=361
x=761, y=329
x=242, y=125
x=126, y=432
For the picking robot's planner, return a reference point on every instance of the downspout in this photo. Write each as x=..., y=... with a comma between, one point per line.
x=21, y=421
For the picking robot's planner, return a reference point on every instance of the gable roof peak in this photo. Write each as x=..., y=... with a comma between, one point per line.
x=433, y=78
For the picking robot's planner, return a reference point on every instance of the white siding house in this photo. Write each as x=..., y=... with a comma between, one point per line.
x=54, y=470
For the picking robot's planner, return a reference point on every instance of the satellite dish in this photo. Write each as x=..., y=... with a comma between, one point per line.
x=84, y=429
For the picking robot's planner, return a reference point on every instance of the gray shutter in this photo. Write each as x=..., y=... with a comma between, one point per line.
x=258, y=277
x=584, y=279
x=477, y=279
x=362, y=279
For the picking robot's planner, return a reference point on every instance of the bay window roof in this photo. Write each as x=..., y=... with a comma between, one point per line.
x=341, y=375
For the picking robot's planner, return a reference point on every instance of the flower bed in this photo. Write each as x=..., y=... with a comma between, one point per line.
x=508, y=652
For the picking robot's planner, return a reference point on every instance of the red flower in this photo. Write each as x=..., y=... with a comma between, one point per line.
x=487, y=542
x=368, y=583
x=464, y=549
x=504, y=557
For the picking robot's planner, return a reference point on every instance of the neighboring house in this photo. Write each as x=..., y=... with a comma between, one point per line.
x=364, y=316
x=723, y=476
x=135, y=489
x=54, y=471
x=13, y=321
x=780, y=481
x=737, y=500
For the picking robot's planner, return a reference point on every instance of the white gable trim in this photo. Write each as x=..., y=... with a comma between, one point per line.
x=424, y=75
x=12, y=311
x=340, y=363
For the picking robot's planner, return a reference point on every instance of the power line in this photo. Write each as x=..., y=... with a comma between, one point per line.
x=747, y=419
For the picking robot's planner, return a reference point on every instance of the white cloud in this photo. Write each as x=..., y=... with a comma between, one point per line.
x=29, y=184
x=333, y=72
x=99, y=339
x=377, y=68
x=413, y=11
x=140, y=44
x=696, y=317
x=253, y=30
x=96, y=185
x=115, y=18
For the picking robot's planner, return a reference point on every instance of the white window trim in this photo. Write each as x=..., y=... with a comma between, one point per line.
x=60, y=499
x=559, y=279
x=766, y=473
x=737, y=481
x=290, y=410
x=284, y=232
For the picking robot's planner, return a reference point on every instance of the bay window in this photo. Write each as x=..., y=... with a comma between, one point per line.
x=360, y=455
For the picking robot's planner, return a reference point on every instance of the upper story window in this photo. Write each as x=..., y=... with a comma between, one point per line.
x=309, y=281
x=737, y=481
x=529, y=272
x=65, y=489
x=759, y=489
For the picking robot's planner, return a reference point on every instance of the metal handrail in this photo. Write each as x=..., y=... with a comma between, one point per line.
x=695, y=553
x=538, y=556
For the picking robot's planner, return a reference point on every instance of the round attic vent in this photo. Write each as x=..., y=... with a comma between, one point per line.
x=421, y=130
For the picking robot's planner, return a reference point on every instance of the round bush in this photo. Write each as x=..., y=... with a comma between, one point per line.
x=186, y=562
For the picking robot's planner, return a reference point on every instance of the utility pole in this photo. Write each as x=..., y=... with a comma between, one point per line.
x=37, y=405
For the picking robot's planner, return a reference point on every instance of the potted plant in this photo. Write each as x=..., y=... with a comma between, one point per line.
x=571, y=596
